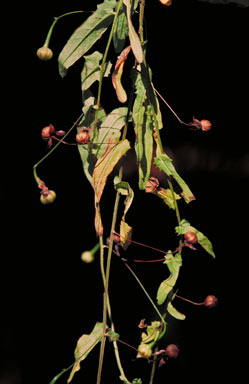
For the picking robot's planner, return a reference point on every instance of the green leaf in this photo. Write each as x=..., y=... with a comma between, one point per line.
x=202, y=239
x=152, y=332
x=134, y=39
x=167, y=197
x=143, y=126
x=84, y=346
x=113, y=336
x=173, y=263
x=105, y=165
x=164, y=163
x=120, y=31
x=137, y=381
x=174, y=312
x=125, y=234
x=86, y=35
x=91, y=70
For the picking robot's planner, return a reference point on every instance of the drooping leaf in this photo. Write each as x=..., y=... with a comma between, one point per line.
x=173, y=263
x=125, y=234
x=174, y=312
x=86, y=35
x=105, y=165
x=124, y=188
x=164, y=163
x=91, y=70
x=167, y=197
x=117, y=75
x=134, y=39
x=120, y=31
x=84, y=346
x=202, y=239
x=143, y=126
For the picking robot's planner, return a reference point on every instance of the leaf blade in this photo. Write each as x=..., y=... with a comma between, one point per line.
x=86, y=35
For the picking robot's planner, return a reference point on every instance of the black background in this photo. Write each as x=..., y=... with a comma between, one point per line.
x=198, y=55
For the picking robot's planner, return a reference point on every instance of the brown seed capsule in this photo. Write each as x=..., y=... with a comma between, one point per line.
x=172, y=351
x=211, y=301
x=83, y=137
x=191, y=237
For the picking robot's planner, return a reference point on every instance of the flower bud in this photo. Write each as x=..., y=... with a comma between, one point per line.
x=211, y=301
x=166, y=2
x=87, y=257
x=44, y=53
x=83, y=137
x=144, y=350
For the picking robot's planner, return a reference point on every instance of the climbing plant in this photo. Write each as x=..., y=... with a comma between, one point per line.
x=101, y=140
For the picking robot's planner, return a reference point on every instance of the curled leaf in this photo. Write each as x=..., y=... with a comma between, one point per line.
x=174, y=312
x=167, y=197
x=173, y=263
x=91, y=70
x=117, y=75
x=125, y=234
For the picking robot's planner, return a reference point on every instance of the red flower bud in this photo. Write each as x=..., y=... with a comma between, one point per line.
x=83, y=137
x=46, y=131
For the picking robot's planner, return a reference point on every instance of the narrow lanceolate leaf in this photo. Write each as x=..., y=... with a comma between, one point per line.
x=117, y=75
x=91, y=70
x=202, y=239
x=120, y=31
x=143, y=126
x=124, y=188
x=134, y=39
x=86, y=35
x=173, y=263
x=84, y=346
x=105, y=165
x=174, y=312
x=164, y=163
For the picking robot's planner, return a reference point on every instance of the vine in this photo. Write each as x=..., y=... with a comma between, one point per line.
x=102, y=142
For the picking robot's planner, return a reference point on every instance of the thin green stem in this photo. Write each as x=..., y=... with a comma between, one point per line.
x=102, y=68
x=46, y=44
x=146, y=293
x=53, y=149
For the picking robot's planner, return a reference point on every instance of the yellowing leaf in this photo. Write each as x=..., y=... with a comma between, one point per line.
x=117, y=75
x=134, y=39
x=105, y=165
x=84, y=346
x=125, y=234
x=174, y=312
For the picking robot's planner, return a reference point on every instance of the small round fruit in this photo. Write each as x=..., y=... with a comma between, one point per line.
x=87, y=257
x=44, y=53
x=191, y=237
x=48, y=197
x=211, y=301
x=83, y=137
x=144, y=351
x=172, y=351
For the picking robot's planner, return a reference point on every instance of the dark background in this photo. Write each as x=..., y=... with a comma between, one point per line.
x=198, y=55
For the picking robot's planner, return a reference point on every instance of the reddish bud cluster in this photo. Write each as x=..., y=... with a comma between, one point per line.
x=211, y=301
x=83, y=137
x=48, y=133
x=191, y=237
